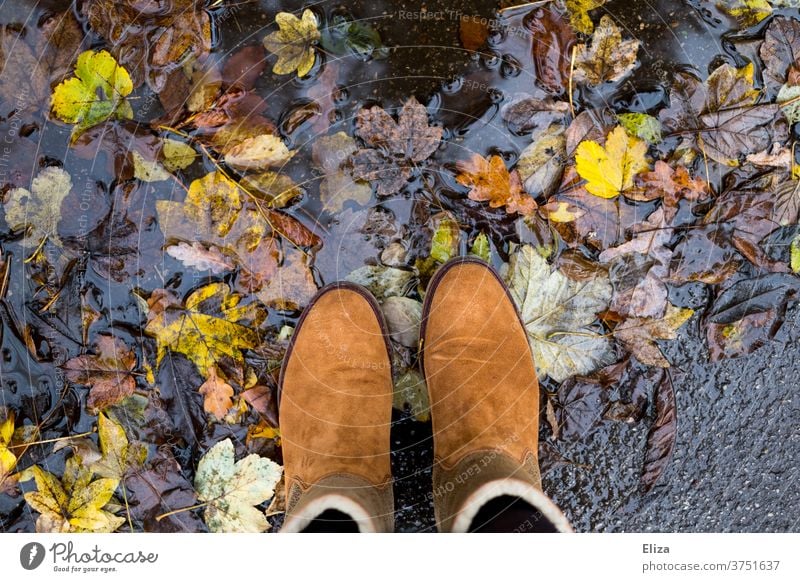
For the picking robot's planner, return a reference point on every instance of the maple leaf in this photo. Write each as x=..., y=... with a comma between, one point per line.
x=671, y=185
x=294, y=43
x=231, y=490
x=609, y=170
x=330, y=154
x=8, y=460
x=40, y=207
x=75, y=503
x=108, y=374
x=394, y=147
x=152, y=39
x=780, y=52
x=608, y=59
x=638, y=335
x=579, y=14
x=490, y=181
x=210, y=326
x=119, y=456
x=723, y=117
x=96, y=92
x=558, y=312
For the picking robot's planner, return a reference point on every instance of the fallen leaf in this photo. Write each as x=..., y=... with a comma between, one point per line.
x=107, y=374
x=218, y=394
x=795, y=255
x=580, y=404
x=558, y=314
x=641, y=125
x=277, y=189
x=394, y=148
x=345, y=36
x=294, y=43
x=8, y=460
x=263, y=401
x=383, y=281
x=152, y=39
x=754, y=295
x=403, y=316
x=742, y=337
x=490, y=181
x=232, y=490
x=330, y=154
x=579, y=14
x=75, y=503
x=209, y=326
x=608, y=58
x=39, y=209
x=722, y=118
x=120, y=457
x=473, y=32
x=670, y=184
x=481, y=248
x=411, y=393
x=638, y=334
x=177, y=155
x=747, y=12
x=23, y=83
x=258, y=153
x=244, y=67
x=780, y=52
x=541, y=165
x=292, y=287
x=662, y=435
x=96, y=92
x=528, y=114
x=202, y=258
x=610, y=170
x=444, y=245
x=552, y=41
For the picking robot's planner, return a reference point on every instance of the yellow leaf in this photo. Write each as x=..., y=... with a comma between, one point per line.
x=216, y=200
x=608, y=58
x=177, y=155
x=95, y=93
x=258, y=153
x=210, y=326
x=293, y=43
x=747, y=12
x=579, y=14
x=7, y=428
x=610, y=170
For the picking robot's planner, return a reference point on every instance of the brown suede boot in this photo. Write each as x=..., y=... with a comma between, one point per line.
x=484, y=397
x=335, y=406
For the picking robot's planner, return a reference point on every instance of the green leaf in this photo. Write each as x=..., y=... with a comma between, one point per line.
x=795, y=254
x=231, y=490
x=40, y=207
x=558, y=313
x=481, y=247
x=641, y=125
x=343, y=36
x=792, y=110
x=96, y=92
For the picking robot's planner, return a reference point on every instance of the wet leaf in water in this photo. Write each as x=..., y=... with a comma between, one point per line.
x=396, y=148
x=608, y=58
x=217, y=394
x=330, y=154
x=108, y=374
x=580, y=404
x=747, y=12
x=639, y=335
x=292, y=287
x=780, y=52
x=742, y=337
x=552, y=42
x=294, y=43
x=490, y=181
x=39, y=209
x=23, y=85
x=579, y=14
x=641, y=125
x=75, y=502
x=473, y=32
x=609, y=170
x=403, y=316
x=558, y=313
x=541, y=164
x=383, y=281
x=529, y=114
x=662, y=435
x=232, y=490
x=8, y=460
x=244, y=67
x=344, y=36
x=671, y=185
x=753, y=296
x=120, y=456
x=258, y=153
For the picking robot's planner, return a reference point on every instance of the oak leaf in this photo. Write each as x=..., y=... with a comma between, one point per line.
x=231, y=490
x=107, y=374
x=609, y=170
x=217, y=394
x=490, y=181
x=294, y=43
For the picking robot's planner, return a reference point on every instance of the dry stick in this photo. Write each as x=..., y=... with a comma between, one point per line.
x=222, y=171
x=55, y=440
x=181, y=510
x=525, y=5
x=571, y=74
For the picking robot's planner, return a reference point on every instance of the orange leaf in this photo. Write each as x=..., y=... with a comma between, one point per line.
x=490, y=181
x=218, y=394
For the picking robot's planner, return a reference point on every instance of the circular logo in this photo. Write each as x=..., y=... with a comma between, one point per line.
x=31, y=555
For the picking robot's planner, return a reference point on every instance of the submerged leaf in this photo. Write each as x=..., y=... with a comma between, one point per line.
x=608, y=58
x=579, y=14
x=108, y=374
x=40, y=207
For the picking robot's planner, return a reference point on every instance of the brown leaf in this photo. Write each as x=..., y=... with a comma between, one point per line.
x=580, y=403
x=107, y=374
x=292, y=286
x=262, y=399
x=661, y=438
x=670, y=185
x=552, y=42
x=218, y=394
x=742, y=337
x=780, y=51
x=638, y=334
x=473, y=32
x=291, y=229
x=490, y=181
x=608, y=58
x=200, y=257
x=244, y=67
x=395, y=147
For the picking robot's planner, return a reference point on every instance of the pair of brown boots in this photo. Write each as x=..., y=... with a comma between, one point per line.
x=336, y=403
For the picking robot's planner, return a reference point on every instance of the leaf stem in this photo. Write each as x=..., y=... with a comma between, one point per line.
x=181, y=510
